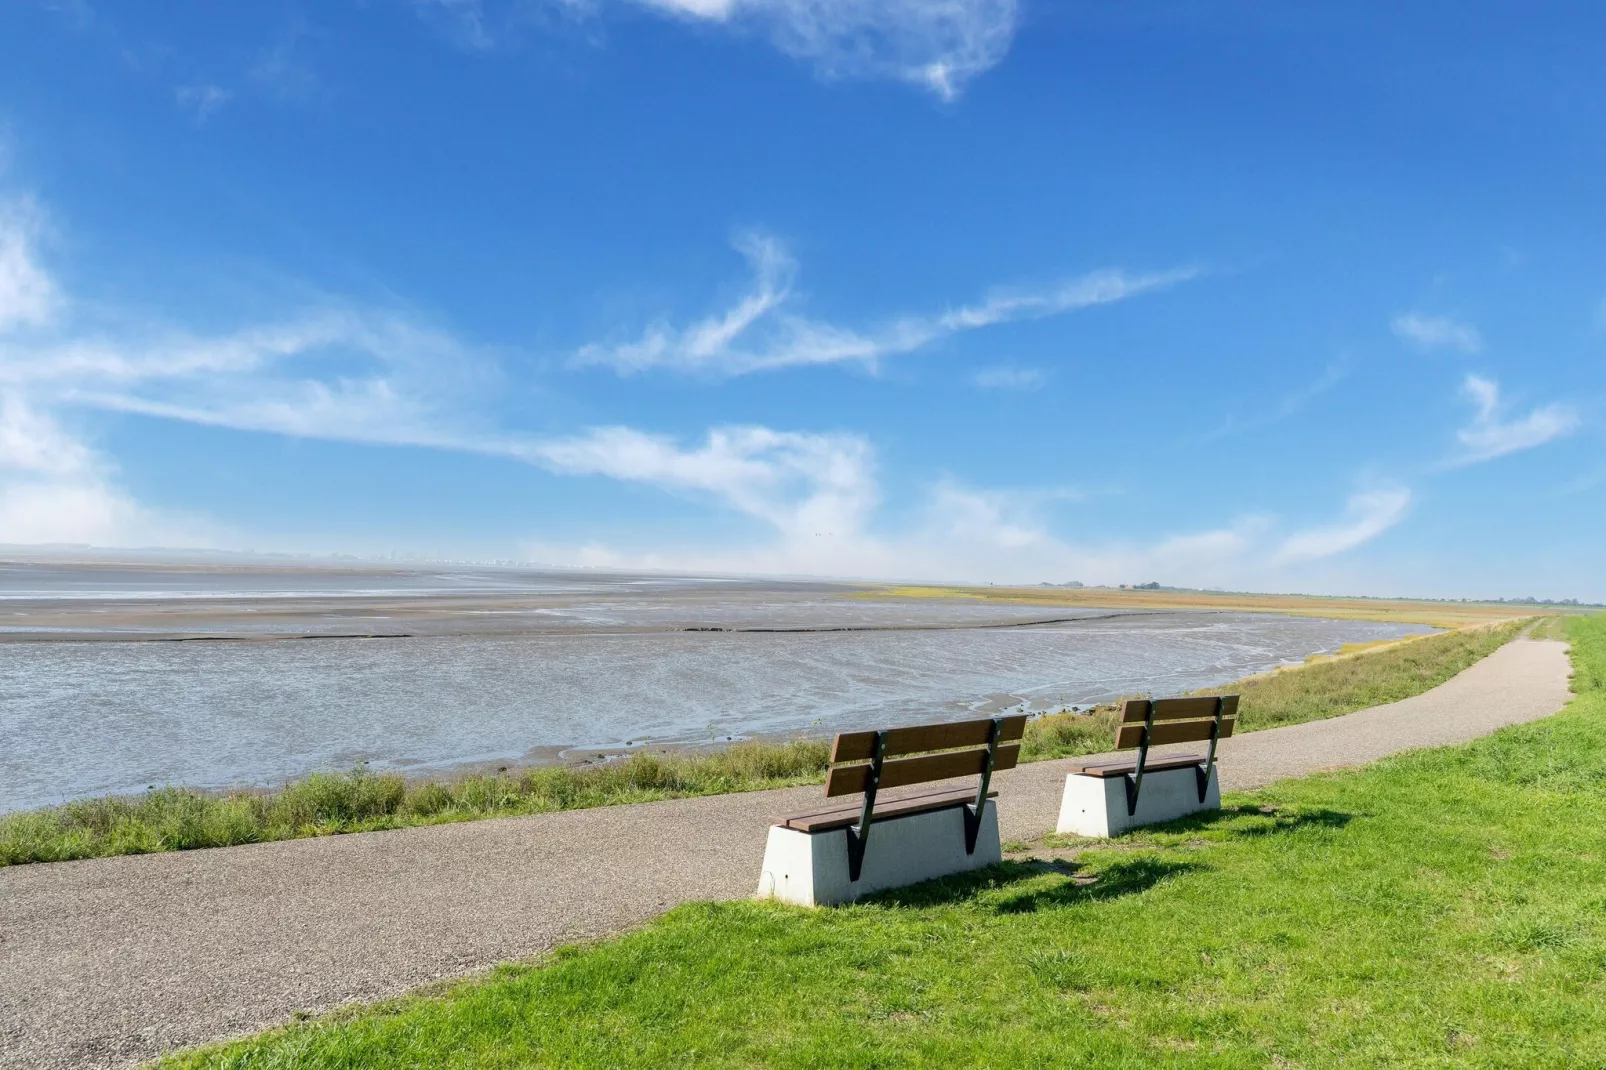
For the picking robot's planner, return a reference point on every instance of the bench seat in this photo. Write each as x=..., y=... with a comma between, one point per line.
x=842, y=816
x=1121, y=765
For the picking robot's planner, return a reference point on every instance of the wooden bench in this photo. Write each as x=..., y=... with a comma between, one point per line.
x=1091, y=808
x=820, y=856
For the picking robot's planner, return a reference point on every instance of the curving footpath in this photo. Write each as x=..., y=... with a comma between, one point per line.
x=111, y=961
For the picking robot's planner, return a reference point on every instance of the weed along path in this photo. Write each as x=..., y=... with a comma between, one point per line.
x=110, y=961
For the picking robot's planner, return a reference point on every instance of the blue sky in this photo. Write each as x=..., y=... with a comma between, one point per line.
x=1278, y=297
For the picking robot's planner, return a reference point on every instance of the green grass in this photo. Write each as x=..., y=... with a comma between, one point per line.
x=322, y=804
x=1443, y=908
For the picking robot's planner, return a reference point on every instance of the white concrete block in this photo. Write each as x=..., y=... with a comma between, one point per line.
x=1096, y=806
x=811, y=868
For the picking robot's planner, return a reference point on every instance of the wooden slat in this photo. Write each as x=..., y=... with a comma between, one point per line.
x=851, y=779
x=860, y=746
x=854, y=806
x=1130, y=735
x=1127, y=764
x=1176, y=709
x=842, y=817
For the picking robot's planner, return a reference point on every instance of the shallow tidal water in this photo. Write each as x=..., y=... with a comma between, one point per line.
x=85, y=718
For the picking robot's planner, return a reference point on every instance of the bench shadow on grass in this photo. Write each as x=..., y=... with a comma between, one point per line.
x=1251, y=821
x=1123, y=877
x=993, y=885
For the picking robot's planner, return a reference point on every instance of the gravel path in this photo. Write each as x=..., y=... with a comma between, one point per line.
x=111, y=961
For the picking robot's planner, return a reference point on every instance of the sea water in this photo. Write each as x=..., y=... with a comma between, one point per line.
x=84, y=718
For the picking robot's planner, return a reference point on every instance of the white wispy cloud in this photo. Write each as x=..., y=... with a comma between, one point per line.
x=56, y=489
x=1587, y=482
x=936, y=45
x=76, y=13
x=818, y=496
x=972, y=534
x=337, y=372
x=463, y=21
x=1288, y=406
x=1007, y=378
x=1003, y=520
x=939, y=45
x=284, y=69
x=1437, y=332
x=202, y=101
x=805, y=486
x=28, y=295
x=1369, y=514
x=343, y=373
x=1488, y=436
x=762, y=331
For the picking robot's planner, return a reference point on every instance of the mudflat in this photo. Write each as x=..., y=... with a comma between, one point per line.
x=118, y=678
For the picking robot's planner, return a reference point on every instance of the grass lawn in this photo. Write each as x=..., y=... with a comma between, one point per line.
x=1442, y=908
x=322, y=804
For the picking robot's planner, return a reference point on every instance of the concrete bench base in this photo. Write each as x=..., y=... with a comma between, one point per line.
x=811, y=868
x=1096, y=806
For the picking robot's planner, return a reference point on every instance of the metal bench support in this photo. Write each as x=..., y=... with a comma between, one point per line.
x=1134, y=781
x=1203, y=771
x=858, y=837
x=973, y=812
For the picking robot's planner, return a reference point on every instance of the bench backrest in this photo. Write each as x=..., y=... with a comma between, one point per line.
x=1174, y=720
x=860, y=763
x=973, y=736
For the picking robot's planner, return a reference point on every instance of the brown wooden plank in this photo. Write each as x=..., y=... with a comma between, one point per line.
x=918, y=804
x=1130, y=735
x=854, y=806
x=860, y=746
x=1128, y=763
x=1136, y=710
x=851, y=779
x=1176, y=709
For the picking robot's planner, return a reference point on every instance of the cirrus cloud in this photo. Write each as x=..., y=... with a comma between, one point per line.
x=1437, y=332
x=763, y=331
x=1488, y=436
x=939, y=45
x=1368, y=515
x=28, y=295
x=818, y=497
